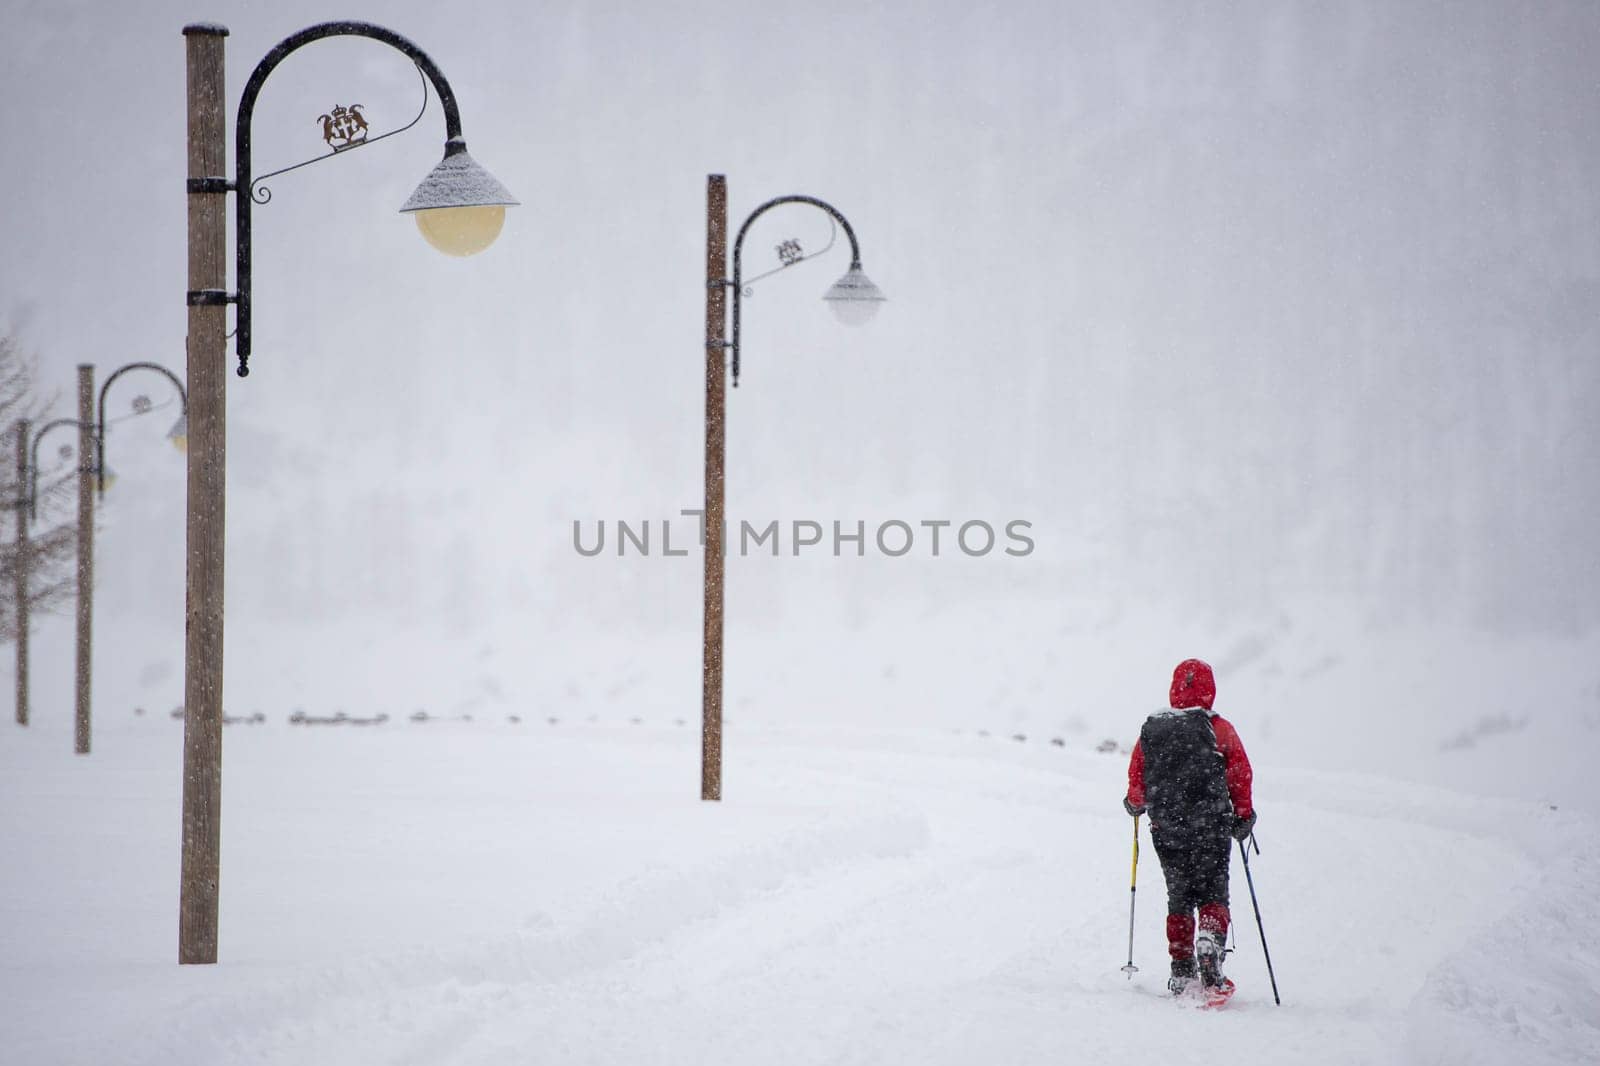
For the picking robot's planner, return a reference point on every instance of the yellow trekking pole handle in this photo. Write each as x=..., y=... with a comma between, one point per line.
x=1134, y=880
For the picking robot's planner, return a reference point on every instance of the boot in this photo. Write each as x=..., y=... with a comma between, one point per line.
x=1183, y=971
x=1209, y=951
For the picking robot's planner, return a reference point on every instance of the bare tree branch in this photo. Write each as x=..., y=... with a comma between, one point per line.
x=51, y=548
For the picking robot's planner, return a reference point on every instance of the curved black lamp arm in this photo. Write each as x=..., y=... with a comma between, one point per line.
x=247, y=105
x=100, y=427
x=738, y=253
x=33, y=463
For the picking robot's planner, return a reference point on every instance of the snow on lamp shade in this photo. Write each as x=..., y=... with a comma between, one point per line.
x=854, y=298
x=459, y=207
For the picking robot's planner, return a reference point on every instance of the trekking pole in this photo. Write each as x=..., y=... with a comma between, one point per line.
x=1133, y=897
x=1245, y=855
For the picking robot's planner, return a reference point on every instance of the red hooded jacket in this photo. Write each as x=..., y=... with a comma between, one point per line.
x=1194, y=686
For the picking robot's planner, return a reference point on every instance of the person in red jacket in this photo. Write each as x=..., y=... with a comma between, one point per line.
x=1190, y=772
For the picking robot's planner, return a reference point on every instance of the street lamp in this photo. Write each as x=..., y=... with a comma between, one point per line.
x=92, y=471
x=178, y=434
x=854, y=300
x=459, y=208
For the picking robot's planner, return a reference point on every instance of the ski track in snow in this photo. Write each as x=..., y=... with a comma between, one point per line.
x=849, y=903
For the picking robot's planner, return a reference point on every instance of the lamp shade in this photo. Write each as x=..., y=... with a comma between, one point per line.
x=460, y=207
x=179, y=433
x=854, y=298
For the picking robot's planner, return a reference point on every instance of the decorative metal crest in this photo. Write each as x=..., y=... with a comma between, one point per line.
x=789, y=252
x=343, y=127
x=142, y=404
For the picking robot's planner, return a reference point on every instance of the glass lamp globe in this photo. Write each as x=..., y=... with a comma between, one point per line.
x=461, y=231
x=460, y=207
x=854, y=298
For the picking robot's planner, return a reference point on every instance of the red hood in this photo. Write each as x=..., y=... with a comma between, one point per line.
x=1192, y=685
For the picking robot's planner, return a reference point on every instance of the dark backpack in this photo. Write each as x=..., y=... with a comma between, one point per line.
x=1185, y=776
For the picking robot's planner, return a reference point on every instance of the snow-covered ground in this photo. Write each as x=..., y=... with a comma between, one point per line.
x=1276, y=323
x=500, y=892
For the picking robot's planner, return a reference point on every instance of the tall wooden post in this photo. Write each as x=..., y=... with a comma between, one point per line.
x=207, y=375
x=716, y=374
x=88, y=464
x=24, y=560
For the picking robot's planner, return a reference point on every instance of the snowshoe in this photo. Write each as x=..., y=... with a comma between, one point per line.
x=1216, y=995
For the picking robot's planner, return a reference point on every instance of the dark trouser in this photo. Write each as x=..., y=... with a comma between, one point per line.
x=1196, y=869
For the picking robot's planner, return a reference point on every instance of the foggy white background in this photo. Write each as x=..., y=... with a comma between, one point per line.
x=1278, y=322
